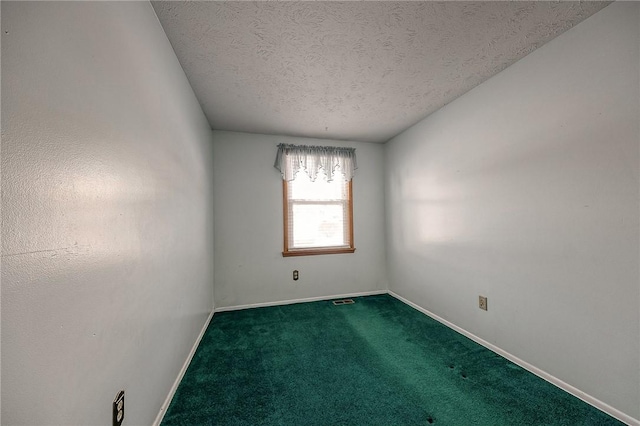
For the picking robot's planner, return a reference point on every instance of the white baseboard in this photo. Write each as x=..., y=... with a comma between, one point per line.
x=176, y=383
x=291, y=302
x=602, y=406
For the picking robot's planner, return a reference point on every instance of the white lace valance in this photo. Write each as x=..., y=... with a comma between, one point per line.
x=291, y=158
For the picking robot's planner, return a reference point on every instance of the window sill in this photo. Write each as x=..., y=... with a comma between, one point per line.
x=314, y=252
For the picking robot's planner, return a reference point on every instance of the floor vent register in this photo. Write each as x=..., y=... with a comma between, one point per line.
x=343, y=302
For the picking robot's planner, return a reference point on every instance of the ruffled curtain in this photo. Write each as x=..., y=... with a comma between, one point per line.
x=291, y=158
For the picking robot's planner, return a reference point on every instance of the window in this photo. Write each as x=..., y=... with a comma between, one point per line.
x=317, y=206
x=318, y=216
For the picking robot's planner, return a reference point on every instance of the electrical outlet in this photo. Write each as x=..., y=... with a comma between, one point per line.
x=296, y=275
x=118, y=409
x=482, y=303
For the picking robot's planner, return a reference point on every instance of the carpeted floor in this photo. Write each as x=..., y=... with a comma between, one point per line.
x=376, y=362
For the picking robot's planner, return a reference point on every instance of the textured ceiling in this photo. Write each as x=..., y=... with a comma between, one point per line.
x=361, y=71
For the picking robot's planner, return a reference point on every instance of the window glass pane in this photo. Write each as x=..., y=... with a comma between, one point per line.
x=303, y=189
x=318, y=225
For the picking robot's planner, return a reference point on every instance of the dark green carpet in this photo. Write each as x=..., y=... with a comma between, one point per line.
x=376, y=362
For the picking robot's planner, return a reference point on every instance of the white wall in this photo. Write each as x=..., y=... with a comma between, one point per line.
x=107, y=217
x=526, y=190
x=249, y=267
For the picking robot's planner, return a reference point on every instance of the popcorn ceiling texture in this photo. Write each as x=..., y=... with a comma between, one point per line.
x=355, y=70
